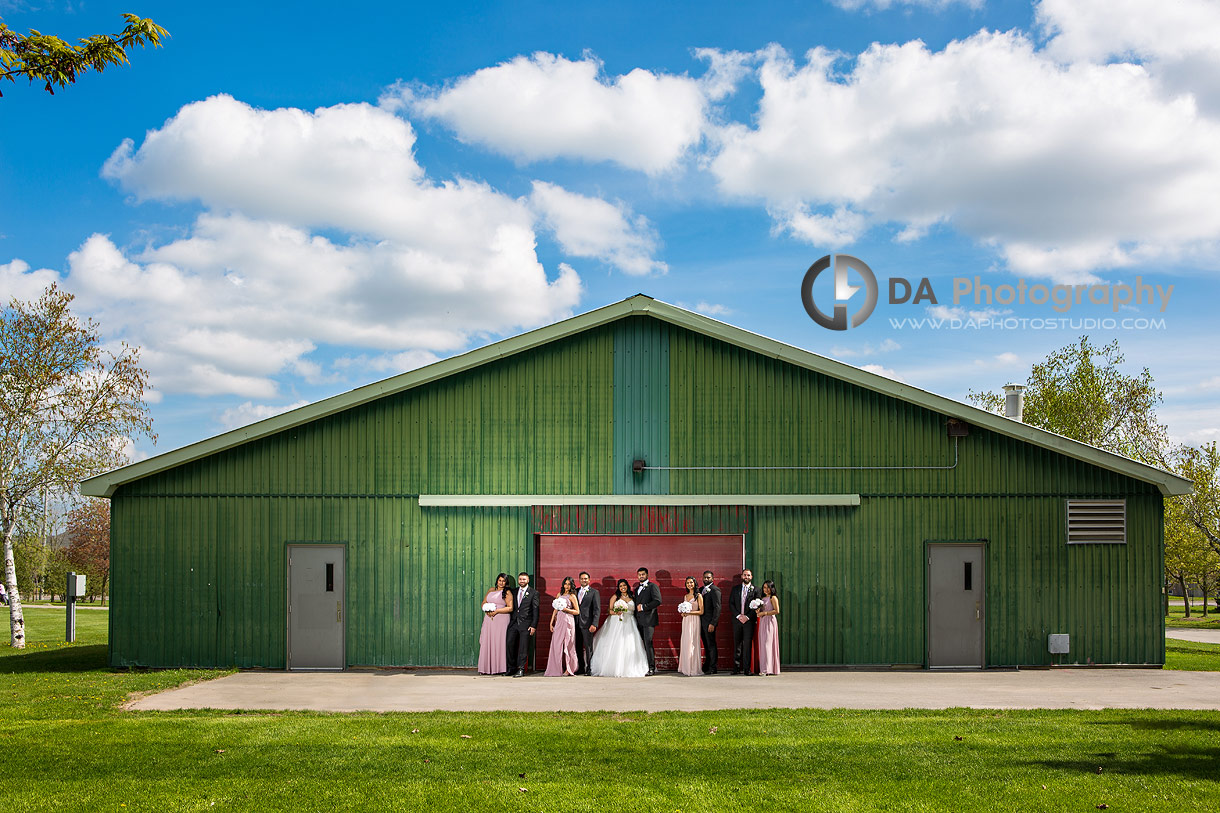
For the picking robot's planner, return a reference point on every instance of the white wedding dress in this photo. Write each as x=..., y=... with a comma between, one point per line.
x=618, y=650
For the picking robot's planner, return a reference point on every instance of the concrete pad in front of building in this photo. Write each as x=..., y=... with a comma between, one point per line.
x=393, y=690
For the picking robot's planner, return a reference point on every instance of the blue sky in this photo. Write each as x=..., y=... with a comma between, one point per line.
x=289, y=201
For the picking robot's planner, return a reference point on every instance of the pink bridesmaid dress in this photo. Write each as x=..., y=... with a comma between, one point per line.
x=493, y=658
x=768, y=641
x=689, y=660
x=562, y=656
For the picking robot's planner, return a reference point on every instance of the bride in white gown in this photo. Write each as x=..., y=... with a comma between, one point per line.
x=618, y=650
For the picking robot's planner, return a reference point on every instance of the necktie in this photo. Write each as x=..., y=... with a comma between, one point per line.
x=582, y=594
x=520, y=596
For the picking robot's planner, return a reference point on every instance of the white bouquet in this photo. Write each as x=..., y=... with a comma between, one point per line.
x=685, y=607
x=618, y=608
x=488, y=607
x=755, y=603
x=560, y=603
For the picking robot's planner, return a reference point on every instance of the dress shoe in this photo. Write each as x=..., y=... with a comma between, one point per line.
x=712, y=672
x=650, y=673
x=519, y=673
x=749, y=674
x=735, y=672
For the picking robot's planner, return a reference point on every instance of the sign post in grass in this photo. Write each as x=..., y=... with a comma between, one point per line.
x=75, y=587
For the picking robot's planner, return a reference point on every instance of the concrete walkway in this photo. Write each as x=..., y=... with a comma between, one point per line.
x=1203, y=636
x=394, y=690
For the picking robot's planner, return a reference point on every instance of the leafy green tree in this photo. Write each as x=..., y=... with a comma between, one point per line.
x=55, y=573
x=1080, y=392
x=48, y=59
x=67, y=408
x=1189, y=559
x=1201, y=508
x=30, y=557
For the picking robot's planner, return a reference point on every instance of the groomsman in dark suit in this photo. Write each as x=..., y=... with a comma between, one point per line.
x=708, y=622
x=590, y=604
x=744, y=618
x=522, y=625
x=647, y=599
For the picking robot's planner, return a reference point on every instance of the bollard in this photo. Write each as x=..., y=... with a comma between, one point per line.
x=70, y=606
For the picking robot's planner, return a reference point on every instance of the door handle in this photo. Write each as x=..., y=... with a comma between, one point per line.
x=978, y=613
x=339, y=611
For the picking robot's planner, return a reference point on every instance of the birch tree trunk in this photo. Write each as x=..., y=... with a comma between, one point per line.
x=16, y=618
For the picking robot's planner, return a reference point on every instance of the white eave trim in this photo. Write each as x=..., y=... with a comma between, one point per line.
x=529, y=500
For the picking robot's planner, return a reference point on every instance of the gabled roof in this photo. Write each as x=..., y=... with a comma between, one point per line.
x=104, y=485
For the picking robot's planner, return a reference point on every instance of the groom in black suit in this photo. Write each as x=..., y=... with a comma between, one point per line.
x=744, y=618
x=647, y=599
x=709, y=621
x=590, y=603
x=522, y=625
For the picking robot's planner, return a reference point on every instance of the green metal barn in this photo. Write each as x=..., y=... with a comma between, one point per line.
x=901, y=528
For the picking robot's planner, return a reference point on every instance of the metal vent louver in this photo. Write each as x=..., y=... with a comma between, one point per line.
x=1096, y=521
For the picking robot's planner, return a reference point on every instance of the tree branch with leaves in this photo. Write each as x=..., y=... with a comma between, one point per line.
x=56, y=63
x=1080, y=392
x=68, y=407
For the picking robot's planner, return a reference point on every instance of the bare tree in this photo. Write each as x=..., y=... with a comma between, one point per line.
x=67, y=409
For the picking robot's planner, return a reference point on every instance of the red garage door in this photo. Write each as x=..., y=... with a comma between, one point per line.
x=669, y=559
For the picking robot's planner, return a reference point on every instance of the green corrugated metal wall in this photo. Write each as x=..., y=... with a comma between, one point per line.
x=199, y=551
x=641, y=405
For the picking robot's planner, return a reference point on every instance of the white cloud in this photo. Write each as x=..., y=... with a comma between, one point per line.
x=1008, y=359
x=1064, y=167
x=1178, y=42
x=250, y=412
x=392, y=363
x=1212, y=383
x=951, y=313
x=409, y=264
x=545, y=106
x=1191, y=424
x=725, y=71
x=18, y=282
x=349, y=167
x=839, y=228
x=711, y=309
x=128, y=453
x=592, y=227
x=868, y=349
x=883, y=371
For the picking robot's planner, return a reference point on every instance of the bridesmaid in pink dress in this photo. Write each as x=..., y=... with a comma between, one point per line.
x=768, y=631
x=562, y=658
x=493, y=657
x=689, y=660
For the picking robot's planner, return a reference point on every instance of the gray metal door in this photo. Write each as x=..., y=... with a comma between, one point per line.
x=316, y=607
x=955, y=605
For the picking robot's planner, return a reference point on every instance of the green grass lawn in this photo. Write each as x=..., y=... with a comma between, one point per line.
x=1191, y=656
x=67, y=746
x=1177, y=616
